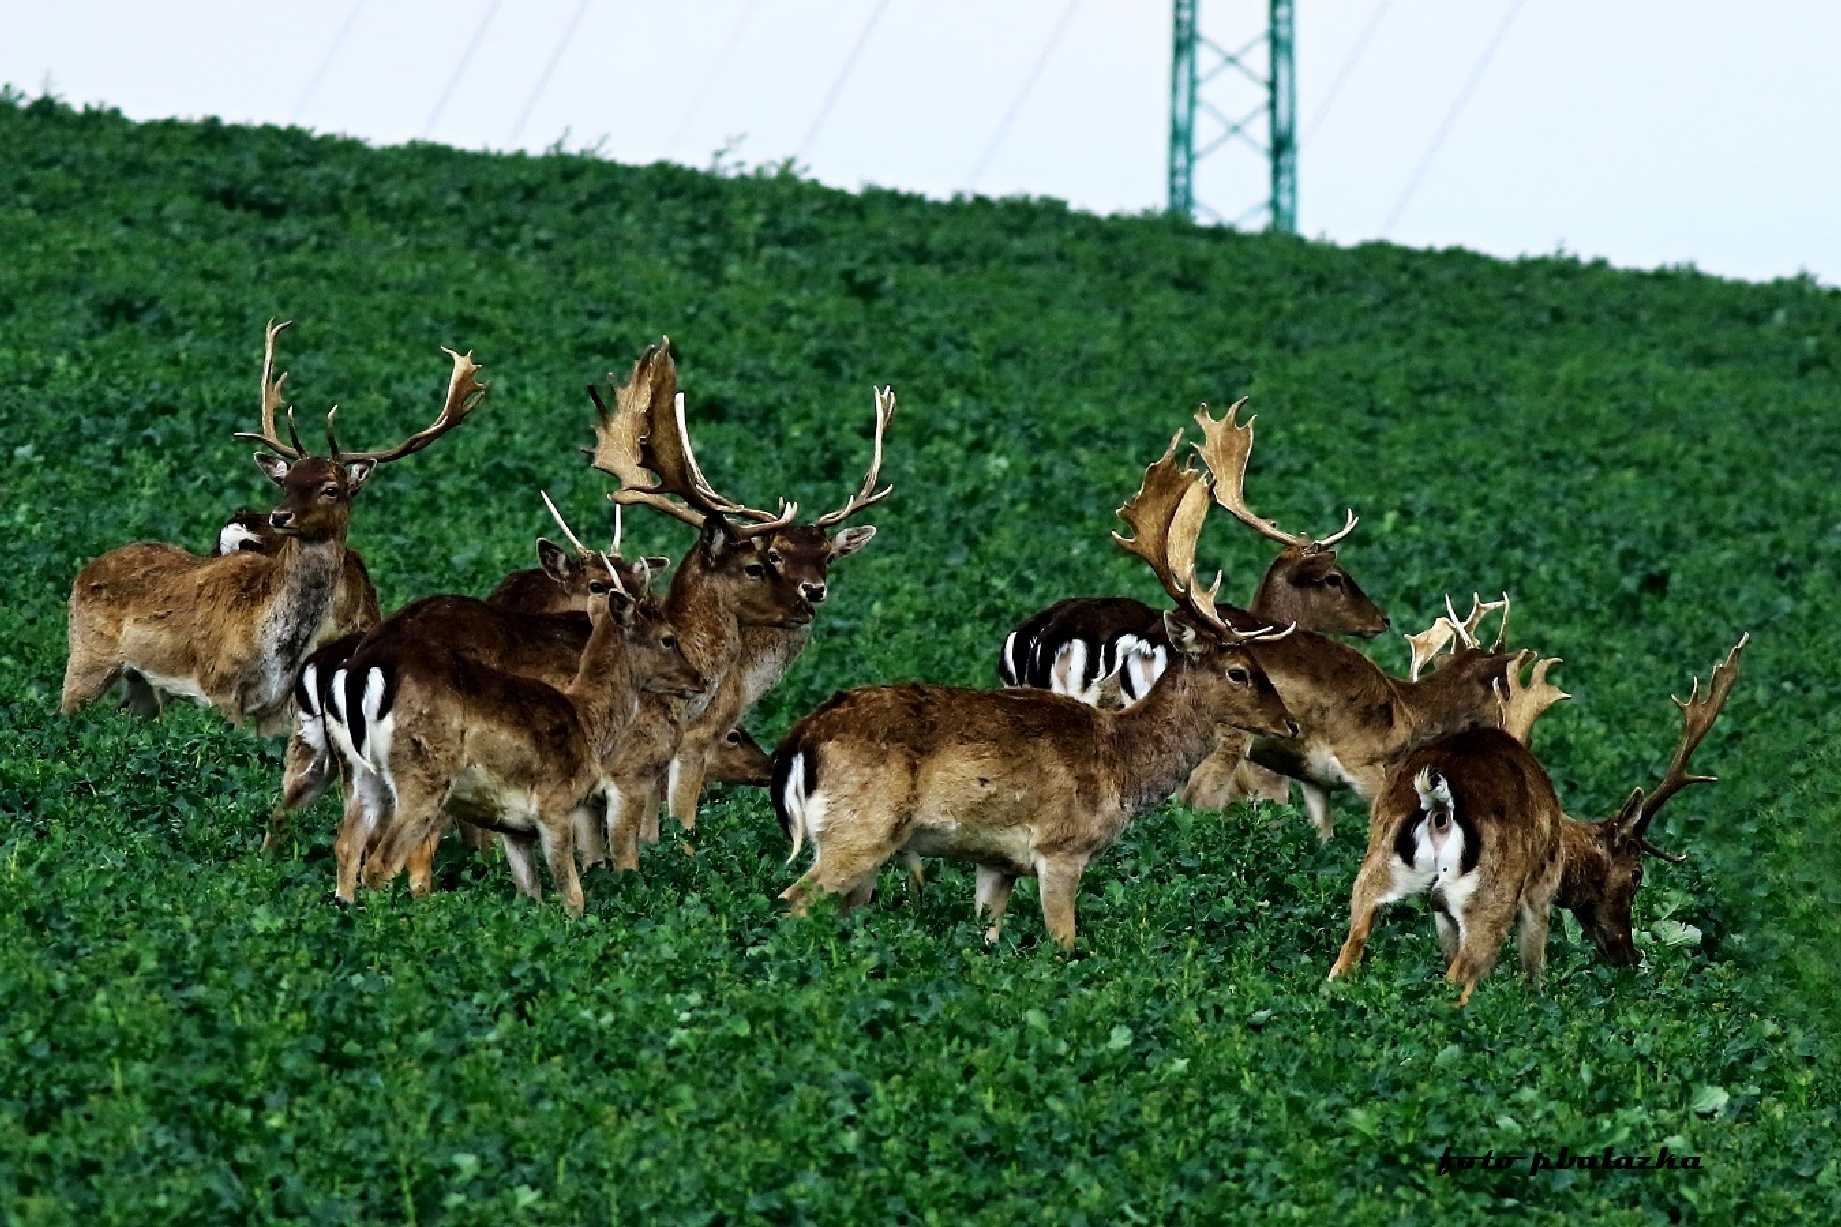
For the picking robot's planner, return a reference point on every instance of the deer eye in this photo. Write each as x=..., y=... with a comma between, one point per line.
x=669, y=641
x=755, y=569
x=329, y=492
x=1238, y=676
x=597, y=588
x=773, y=556
x=1333, y=580
x=734, y=738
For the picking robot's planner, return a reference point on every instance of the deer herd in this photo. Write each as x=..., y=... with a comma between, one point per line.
x=564, y=710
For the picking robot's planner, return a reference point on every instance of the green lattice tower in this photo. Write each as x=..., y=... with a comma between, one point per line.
x=1268, y=129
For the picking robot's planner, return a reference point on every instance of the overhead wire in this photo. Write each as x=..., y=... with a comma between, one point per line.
x=837, y=86
x=332, y=53
x=543, y=78
x=460, y=68
x=1022, y=95
x=1348, y=66
x=1457, y=106
x=717, y=67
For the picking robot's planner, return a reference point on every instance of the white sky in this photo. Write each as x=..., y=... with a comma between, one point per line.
x=1644, y=132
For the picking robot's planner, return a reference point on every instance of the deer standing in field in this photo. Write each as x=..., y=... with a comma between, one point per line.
x=1021, y=781
x=1110, y=650
x=448, y=736
x=741, y=554
x=232, y=630
x=1473, y=819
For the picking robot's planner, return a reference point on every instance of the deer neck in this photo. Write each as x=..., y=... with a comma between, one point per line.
x=1584, y=867
x=1161, y=739
x=701, y=613
x=307, y=576
x=604, y=692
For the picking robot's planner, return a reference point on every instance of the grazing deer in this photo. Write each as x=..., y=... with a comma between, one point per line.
x=744, y=595
x=448, y=737
x=1023, y=782
x=1604, y=860
x=232, y=630
x=1482, y=830
x=1110, y=650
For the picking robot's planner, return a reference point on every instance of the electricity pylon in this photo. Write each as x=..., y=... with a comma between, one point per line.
x=1273, y=118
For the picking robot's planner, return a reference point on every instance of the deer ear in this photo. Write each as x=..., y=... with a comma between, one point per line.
x=851, y=540
x=1184, y=636
x=1624, y=825
x=555, y=561
x=656, y=564
x=273, y=467
x=1315, y=564
x=357, y=473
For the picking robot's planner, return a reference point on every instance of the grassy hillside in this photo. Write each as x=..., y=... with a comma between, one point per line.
x=193, y=1033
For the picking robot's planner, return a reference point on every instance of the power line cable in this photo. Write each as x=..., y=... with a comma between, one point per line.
x=837, y=86
x=716, y=69
x=1022, y=95
x=332, y=52
x=1348, y=66
x=460, y=68
x=543, y=78
x=1457, y=106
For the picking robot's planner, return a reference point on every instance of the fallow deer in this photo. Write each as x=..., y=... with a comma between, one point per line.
x=450, y=737
x=1024, y=782
x=1604, y=860
x=1478, y=843
x=232, y=630
x=1109, y=650
x=741, y=556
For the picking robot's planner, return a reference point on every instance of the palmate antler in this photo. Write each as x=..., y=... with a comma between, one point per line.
x=1225, y=448
x=1697, y=716
x=1166, y=517
x=868, y=495
x=1428, y=643
x=645, y=435
x=1521, y=705
x=464, y=394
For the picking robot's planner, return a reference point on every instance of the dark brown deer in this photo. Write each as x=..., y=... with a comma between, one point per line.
x=231, y=631
x=449, y=737
x=1604, y=860
x=744, y=595
x=1024, y=782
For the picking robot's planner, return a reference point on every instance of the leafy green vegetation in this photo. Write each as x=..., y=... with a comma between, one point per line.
x=192, y=1032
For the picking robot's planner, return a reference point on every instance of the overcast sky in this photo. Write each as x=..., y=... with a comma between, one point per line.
x=1644, y=132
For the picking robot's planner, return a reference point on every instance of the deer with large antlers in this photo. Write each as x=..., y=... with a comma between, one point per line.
x=232, y=630
x=1024, y=782
x=1473, y=820
x=743, y=559
x=446, y=736
x=1109, y=650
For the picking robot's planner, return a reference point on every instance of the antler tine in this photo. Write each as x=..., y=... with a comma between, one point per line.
x=464, y=394
x=1225, y=448
x=1427, y=644
x=1461, y=626
x=703, y=495
x=563, y=524
x=1324, y=543
x=1150, y=513
x=1697, y=717
x=868, y=495
x=614, y=549
x=1520, y=705
x=1502, y=630
x=272, y=385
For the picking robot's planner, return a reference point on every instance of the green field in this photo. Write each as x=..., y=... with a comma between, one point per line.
x=191, y=1031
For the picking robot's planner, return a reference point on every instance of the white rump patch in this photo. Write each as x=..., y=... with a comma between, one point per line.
x=233, y=537
x=1009, y=659
x=377, y=732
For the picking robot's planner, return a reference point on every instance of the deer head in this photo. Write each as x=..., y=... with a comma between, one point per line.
x=1166, y=517
x=644, y=444
x=1604, y=867
x=571, y=567
x=317, y=490
x=1305, y=584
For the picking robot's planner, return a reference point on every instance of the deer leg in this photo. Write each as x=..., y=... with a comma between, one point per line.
x=628, y=807
x=917, y=873
x=142, y=699
x=1536, y=910
x=304, y=777
x=1059, y=878
x=559, y=850
x=478, y=839
x=993, y=899
x=1317, y=805
x=1373, y=888
x=589, y=838
x=421, y=863
x=1483, y=926
x=85, y=679
x=519, y=856
x=1447, y=933
x=355, y=828
x=686, y=783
